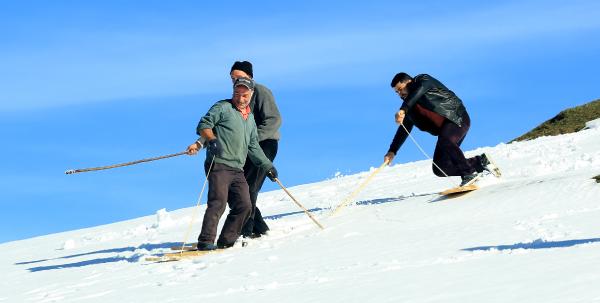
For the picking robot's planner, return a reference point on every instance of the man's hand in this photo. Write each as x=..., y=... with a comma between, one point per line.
x=193, y=149
x=215, y=147
x=400, y=116
x=272, y=173
x=389, y=157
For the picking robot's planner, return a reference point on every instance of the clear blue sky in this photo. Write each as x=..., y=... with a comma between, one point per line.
x=91, y=83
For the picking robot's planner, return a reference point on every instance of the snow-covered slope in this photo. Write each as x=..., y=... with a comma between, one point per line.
x=532, y=236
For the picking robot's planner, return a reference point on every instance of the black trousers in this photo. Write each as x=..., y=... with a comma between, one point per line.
x=255, y=176
x=448, y=155
x=226, y=185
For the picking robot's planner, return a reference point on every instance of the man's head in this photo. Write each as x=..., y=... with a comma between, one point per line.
x=241, y=69
x=242, y=92
x=400, y=83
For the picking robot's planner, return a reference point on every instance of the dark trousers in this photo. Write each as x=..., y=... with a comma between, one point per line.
x=255, y=176
x=448, y=155
x=226, y=185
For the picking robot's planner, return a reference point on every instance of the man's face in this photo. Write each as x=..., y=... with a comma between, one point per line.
x=241, y=96
x=401, y=89
x=238, y=74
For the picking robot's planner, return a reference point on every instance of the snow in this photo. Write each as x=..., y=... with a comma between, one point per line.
x=531, y=236
x=593, y=124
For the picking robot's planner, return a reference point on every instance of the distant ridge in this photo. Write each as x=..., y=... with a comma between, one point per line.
x=567, y=121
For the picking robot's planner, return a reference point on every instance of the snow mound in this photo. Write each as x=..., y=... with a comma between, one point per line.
x=163, y=220
x=68, y=244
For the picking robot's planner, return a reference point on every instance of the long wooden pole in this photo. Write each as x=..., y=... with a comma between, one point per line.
x=357, y=190
x=298, y=203
x=82, y=170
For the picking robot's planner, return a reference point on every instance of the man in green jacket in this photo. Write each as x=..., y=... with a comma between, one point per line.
x=268, y=121
x=230, y=132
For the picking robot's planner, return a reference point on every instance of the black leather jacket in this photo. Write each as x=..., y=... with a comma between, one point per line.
x=434, y=96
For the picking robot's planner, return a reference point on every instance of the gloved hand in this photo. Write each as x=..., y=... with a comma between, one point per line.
x=272, y=173
x=215, y=147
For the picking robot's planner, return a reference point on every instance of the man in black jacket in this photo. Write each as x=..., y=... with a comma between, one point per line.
x=433, y=108
x=268, y=121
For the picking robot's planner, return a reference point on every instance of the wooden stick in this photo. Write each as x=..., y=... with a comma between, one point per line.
x=74, y=171
x=298, y=203
x=356, y=191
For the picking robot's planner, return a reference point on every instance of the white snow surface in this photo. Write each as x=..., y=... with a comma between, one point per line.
x=531, y=236
x=593, y=124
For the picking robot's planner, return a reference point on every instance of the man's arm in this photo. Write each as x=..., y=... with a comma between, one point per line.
x=398, y=140
x=270, y=116
x=422, y=85
x=204, y=129
x=210, y=120
x=207, y=134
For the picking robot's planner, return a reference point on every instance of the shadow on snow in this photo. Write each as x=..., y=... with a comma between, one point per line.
x=364, y=202
x=133, y=258
x=537, y=244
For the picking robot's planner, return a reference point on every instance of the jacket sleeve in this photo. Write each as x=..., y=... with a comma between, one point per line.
x=270, y=117
x=256, y=154
x=422, y=85
x=212, y=118
x=400, y=136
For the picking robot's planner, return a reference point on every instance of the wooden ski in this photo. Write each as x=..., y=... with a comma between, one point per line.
x=458, y=190
x=182, y=255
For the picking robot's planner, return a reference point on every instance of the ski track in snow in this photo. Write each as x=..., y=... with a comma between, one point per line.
x=516, y=238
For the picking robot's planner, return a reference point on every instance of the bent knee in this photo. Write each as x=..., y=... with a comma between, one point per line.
x=437, y=171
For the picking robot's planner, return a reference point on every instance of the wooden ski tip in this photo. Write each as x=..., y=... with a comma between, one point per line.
x=458, y=190
x=185, y=248
x=162, y=259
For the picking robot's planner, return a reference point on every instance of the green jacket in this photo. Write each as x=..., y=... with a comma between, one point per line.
x=237, y=136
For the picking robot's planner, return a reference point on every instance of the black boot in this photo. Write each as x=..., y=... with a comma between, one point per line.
x=224, y=245
x=488, y=164
x=206, y=246
x=469, y=179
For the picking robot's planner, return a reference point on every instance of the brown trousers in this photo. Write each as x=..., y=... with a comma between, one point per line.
x=448, y=155
x=226, y=185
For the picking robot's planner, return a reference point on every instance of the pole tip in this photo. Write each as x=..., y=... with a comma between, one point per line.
x=70, y=171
